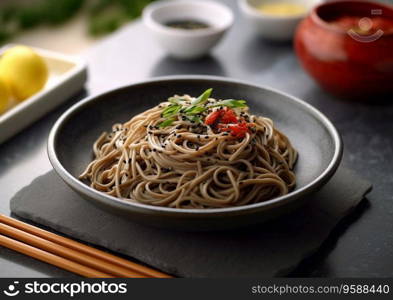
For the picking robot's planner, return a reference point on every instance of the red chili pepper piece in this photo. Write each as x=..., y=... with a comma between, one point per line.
x=212, y=117
x=239, y=130
x=225, y=120
x=228, y=116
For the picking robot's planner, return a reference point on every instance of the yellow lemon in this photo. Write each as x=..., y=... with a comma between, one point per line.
x=4, y=97
x=24, y=71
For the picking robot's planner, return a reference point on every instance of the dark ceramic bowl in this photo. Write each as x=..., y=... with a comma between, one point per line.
x=343, y=61
x=312, y=134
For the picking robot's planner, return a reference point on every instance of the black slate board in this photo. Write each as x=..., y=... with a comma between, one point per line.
x=266, y=250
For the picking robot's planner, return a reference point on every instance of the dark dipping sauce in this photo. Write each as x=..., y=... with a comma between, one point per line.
x=187, y=24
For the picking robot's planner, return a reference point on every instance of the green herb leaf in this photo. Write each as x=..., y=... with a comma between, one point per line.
x=171, y=110
x=202, y=98
x=194, y=110
x=175, y=100
x=195, y=119
x=232, y=103
x=166, y=123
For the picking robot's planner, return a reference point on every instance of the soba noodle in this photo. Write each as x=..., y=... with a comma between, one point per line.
x=168, y=156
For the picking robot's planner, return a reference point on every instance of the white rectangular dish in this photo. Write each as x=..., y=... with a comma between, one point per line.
x=67, y=75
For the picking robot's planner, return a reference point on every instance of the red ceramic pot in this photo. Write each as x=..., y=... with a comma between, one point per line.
x=347, y=60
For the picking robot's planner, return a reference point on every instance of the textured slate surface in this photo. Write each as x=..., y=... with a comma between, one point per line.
x=265, y=250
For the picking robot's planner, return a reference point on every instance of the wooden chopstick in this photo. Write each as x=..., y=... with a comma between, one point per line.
x=51, y=258
x=84, y=249
x=67, y=252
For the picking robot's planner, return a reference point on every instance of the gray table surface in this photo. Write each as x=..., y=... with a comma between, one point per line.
x=360, y=247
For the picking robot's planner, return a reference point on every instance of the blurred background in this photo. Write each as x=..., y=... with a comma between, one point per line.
x=73, y=26
x=68, y=26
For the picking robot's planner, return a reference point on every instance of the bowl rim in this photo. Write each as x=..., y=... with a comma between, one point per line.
x=149, y=21
x=314, y=15
x=253, y=11
x=149, y=209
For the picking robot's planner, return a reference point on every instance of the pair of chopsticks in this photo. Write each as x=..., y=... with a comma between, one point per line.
x=68, y=254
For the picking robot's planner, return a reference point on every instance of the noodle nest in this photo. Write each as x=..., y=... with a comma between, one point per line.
x=181, y=162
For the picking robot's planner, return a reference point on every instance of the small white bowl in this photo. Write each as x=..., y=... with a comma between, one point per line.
x=183, y=43
x=274, y=27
